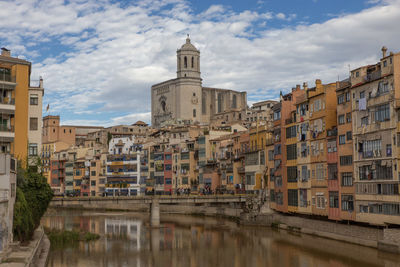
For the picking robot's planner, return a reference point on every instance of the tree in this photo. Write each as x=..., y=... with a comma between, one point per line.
x=33, y=197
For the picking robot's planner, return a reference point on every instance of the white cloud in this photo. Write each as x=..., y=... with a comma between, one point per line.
x=113, y=54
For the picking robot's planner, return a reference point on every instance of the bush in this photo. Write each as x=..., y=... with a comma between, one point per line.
x=23, y=223
x=33, y=197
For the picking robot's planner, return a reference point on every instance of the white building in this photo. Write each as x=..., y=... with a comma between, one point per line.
x=35, y=113
x=123, y=167
x=8, y=175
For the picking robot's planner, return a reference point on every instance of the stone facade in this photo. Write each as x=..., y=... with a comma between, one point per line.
x=184, y=99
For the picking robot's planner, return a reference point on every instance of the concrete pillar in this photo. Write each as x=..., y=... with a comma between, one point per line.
x=155, y=213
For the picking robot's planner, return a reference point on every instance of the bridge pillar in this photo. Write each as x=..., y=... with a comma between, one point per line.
x=155, y=213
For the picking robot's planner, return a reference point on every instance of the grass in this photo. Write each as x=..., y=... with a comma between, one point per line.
x=64, y=237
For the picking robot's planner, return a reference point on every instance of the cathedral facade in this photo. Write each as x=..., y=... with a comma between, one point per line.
x=185, y=100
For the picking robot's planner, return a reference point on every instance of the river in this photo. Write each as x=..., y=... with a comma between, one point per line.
x=128, y=240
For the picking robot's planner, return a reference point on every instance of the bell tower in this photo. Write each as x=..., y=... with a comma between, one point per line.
x=188, y=61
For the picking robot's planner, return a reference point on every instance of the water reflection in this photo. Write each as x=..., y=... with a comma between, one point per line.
x=128, y=240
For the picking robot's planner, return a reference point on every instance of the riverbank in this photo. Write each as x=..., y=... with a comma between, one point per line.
x=32, y=254
x=387, y=240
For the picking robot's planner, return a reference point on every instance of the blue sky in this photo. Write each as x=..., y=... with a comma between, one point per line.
x=99, y=58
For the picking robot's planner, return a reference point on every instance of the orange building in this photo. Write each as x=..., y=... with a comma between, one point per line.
x=14, y=104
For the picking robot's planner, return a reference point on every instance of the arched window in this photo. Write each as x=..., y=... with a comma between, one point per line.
x=185, y=62
x=194, y=113
x=192, y=62
x=234, y=101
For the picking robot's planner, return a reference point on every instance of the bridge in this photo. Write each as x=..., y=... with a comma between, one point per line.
x=229, y=205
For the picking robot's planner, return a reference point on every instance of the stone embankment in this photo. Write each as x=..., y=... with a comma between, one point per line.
x=33, y=254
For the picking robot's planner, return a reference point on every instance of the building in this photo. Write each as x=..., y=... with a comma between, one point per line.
x=35, y=121
x=123, y=167
x=375, y=103
x=344, y=146
x=185, y=100
x=14, y=104
x=8, y=180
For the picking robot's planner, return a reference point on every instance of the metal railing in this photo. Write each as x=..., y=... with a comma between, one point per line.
x=7, y=78
x=6, y=128
x=7, y=100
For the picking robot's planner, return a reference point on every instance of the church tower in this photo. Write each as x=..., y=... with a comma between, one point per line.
x=188, y=61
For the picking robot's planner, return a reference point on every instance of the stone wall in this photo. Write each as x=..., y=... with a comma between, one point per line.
x=4, y=230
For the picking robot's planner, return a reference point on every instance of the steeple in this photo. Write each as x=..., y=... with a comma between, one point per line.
x=188, y=60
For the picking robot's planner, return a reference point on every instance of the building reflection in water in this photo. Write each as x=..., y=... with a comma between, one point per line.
x=128, y=240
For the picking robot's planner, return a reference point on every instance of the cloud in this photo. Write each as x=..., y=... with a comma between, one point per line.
x=100, y=58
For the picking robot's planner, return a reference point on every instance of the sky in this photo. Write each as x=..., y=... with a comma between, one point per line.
x=99, y=58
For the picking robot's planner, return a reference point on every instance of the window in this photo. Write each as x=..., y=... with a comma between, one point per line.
x=277, y=149
x=347, y=179
x=332, y=171
x=317, y=105
x=334, y=199
x=347, y=96
x=33, y=124
x=292, y=174
x=346, y=160
x=277, y=115
x=279, y=198
x=370, y=148
x=305, y=174
x=194, y=113
x=278, y=181
x=220, y=100
x=291, y=132
x=347, y=202
x=364, y=120
x=34, y=100
x=340, y=99
x=320, y=201
x=234, y=104
x=341, y=119
x=385, y=63
x=303, y=198
x=389, y=150
x=320, y=171
x=382, y=113
x=192, y=62
x=93, y=173
x=292, y=197
x=92, y=183
x=33, y=149
x=383, y=87
x=357, y=73
x=348, y=117
x=342, y=139
x=291, y=151
x=185, y=62
x=204, y=103
x=348, y=135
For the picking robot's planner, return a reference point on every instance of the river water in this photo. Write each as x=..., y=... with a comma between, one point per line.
x=128, y=240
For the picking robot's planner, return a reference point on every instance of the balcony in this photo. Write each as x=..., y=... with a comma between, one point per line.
x=332, y=132
x=7, y=78
x=7, y=133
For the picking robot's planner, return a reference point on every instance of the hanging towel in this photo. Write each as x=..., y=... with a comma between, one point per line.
x=362, y=104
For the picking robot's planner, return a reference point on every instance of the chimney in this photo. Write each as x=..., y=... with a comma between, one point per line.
x=305, y=86
x=297, y=87
x=40, y=82
x=384, y=49
x=5, y=52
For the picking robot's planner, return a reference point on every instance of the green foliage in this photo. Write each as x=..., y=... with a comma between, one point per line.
x=61, y=238
x=31, y=203
x=23, y=223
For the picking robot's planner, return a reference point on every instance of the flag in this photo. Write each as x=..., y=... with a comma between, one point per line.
x=48, y=107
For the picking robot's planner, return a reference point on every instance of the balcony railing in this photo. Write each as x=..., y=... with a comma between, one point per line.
x=7, y=78
x=7, y=100
x=6, y=128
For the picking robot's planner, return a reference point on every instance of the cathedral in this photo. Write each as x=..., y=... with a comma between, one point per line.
x=184, y=99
